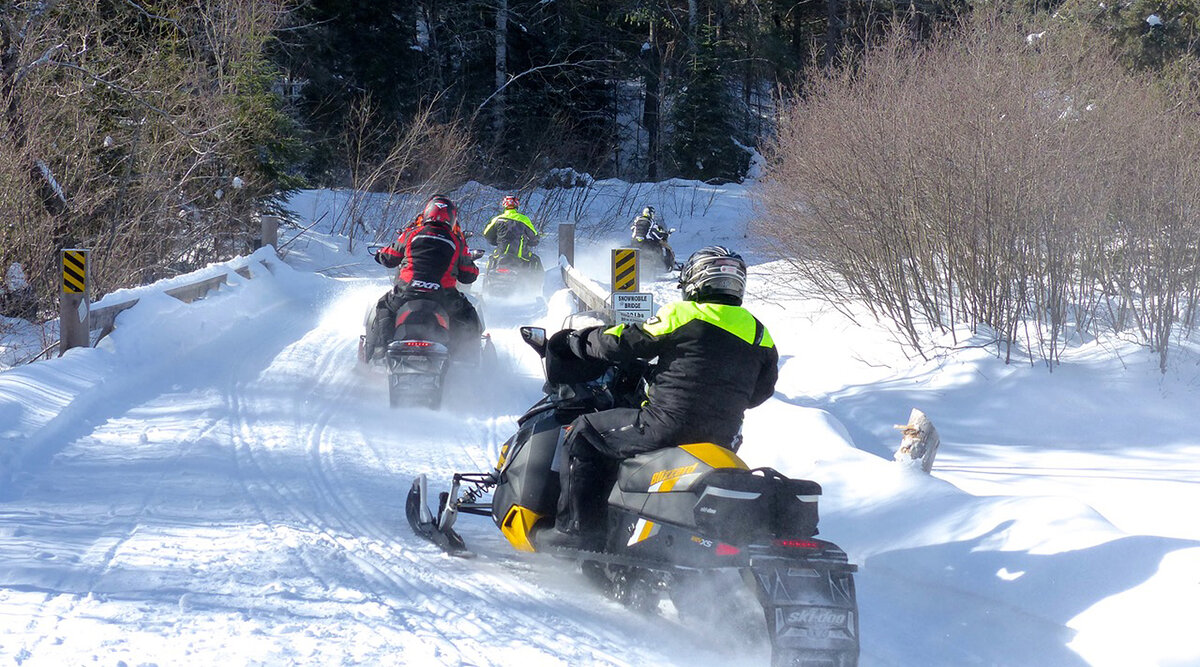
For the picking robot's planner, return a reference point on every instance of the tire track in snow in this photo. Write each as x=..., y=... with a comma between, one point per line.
x=312, y=500
x=90, y=564
x=459, y=611
x=371, y=550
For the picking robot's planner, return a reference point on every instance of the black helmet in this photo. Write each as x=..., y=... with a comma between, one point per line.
x=714, y=273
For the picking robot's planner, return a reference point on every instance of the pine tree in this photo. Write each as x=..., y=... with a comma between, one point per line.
x=703, y=144
x=339, y=53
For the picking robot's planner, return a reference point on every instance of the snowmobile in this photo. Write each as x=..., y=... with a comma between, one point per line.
x=507, y=275
x=422, y=351
x=680, y=520
x=654, y=252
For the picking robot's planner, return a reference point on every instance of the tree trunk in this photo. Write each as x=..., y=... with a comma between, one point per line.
x=651, y=103
x=833, y=32
x=920, y=443
x=501, y=68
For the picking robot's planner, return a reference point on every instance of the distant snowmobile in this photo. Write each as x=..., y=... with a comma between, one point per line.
x=679, y=519
x=508, y=276
x=649, y=236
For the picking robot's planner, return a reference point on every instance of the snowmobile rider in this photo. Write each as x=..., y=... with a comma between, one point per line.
x=648, y=231
x=512, y=232
x=433, y=257
x=715, y=360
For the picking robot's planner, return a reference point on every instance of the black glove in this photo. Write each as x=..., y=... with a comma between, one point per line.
x=577, y=340
x=563, y=363
x=378, y=255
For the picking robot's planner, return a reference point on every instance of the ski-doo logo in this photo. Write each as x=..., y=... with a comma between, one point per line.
x=812, y=616
x=425, y=284
x=663, y=475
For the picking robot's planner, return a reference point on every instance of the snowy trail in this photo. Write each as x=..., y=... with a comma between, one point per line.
x=252, y=512
x=216, y=483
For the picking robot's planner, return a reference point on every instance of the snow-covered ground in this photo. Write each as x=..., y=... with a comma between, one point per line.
x=217, y=483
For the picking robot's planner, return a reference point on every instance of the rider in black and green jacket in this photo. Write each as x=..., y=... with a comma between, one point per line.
x=512, y=232
x=715, y=360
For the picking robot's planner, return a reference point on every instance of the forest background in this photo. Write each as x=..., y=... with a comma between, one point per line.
x=899, y=172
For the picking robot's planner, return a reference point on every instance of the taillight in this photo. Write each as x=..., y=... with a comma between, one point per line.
x=417, y=343
x=796, y=544
x=727, y=549
x=502, y=270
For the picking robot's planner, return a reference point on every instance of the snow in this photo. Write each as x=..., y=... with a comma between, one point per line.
x=14, y=279
x=216, y=482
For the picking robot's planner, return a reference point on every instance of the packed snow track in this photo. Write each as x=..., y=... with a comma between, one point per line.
x=241, y=501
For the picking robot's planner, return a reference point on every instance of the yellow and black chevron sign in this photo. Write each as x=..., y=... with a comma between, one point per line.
x=624, y=270
x=74, y=264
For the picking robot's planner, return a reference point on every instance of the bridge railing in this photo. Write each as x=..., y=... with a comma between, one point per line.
x=77, y=320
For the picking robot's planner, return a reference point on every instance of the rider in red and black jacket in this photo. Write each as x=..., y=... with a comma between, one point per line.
x=433, y=258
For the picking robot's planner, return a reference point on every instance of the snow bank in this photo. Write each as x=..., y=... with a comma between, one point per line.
x=42, y=405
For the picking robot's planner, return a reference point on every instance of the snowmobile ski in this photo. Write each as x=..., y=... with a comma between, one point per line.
x=424, y=524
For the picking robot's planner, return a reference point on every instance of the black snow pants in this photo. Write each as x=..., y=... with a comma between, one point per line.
x=594, y=449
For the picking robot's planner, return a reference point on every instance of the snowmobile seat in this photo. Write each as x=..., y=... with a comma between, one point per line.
x=664, y=484
x=423, y=319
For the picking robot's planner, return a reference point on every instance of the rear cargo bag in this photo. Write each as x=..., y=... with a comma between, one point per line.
x=747, y=505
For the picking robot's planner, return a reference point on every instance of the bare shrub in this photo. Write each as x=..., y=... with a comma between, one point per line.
x=149, y=137
x=991, y=176
x=426, y=156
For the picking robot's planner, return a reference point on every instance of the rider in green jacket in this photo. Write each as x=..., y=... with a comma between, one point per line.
x=715, y=360
x=512, y=232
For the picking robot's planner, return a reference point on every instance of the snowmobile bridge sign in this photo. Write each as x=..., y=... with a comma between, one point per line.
x=632, y=307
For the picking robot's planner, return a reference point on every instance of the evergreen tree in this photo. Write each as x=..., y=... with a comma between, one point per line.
x=703, y=144
x=560, y=106
x=1149, y=34
x=339, y=53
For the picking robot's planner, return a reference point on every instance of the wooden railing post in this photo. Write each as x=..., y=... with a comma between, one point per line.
x=73, y=303
x=566, y=242
x=270, y=231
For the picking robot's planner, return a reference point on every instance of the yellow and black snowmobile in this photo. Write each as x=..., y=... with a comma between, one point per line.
x=678, y=520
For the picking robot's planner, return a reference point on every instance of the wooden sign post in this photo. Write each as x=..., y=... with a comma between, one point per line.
x=74, y=305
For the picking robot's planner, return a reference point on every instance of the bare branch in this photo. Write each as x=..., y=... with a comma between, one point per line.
x=512, y=79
